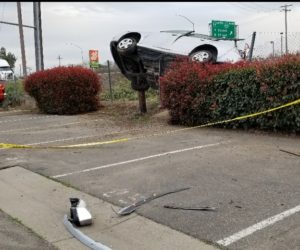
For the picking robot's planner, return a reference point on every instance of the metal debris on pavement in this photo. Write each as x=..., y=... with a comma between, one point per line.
x=191, y=208
x=82, y=237
x=131, y=208
x=289, y=152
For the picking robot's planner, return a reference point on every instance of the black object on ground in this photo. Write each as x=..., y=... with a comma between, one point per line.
x=191, y=208
x=289, y=152
x=131, y=208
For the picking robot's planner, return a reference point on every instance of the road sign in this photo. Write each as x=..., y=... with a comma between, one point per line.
x=94, y=58
x=223, y=29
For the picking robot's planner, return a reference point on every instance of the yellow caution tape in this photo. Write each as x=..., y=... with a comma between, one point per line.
x=245, y=116
x=4, y=145
x=95, y=143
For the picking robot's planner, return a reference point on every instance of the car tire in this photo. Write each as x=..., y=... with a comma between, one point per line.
x=202, y=56
x=126, y=45
x=139, y=84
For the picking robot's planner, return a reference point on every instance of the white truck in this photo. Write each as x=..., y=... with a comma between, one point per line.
x=6, y=73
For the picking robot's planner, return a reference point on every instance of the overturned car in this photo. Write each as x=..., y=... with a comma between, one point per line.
x=143, y=57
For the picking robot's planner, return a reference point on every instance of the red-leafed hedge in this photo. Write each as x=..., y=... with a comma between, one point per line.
x=65, y=90
x=196, y=94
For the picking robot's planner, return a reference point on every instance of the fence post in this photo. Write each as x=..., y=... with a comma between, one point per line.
x=109, y=80
x=252, y=46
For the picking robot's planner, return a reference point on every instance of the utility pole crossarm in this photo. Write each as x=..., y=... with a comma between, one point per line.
x=16, y=24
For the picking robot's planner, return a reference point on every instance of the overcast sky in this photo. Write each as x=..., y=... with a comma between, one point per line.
x=91, y=25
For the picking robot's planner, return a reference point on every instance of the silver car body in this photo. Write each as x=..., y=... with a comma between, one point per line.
x=175, y=42
x=144, y=56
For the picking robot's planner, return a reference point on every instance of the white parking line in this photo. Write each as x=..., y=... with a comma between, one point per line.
x=29, y=118
x=258, y=226
x=53, y=126
x=138, y=159
x=30, y=128
x=61, y=140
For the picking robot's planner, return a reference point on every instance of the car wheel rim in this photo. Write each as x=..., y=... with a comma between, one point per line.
x=201, y=56
x=125, y=43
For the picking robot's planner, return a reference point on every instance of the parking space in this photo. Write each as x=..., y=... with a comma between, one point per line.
x=243, y=174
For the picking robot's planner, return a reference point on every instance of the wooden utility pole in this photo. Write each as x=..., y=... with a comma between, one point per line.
x=59, y=58
x=22, y=38
x=284, y=8
x=142, y=101
x=39, y=56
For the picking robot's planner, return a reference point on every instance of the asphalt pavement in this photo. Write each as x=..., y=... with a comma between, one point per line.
x=250, y=177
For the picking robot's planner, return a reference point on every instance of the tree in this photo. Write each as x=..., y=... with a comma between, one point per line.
x=9, y=57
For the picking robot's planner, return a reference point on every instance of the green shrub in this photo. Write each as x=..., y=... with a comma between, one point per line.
x=236, y=93
x=65, y=90
x=14, y=94
x=122, y=90
x=185, y=90
x=199, y=94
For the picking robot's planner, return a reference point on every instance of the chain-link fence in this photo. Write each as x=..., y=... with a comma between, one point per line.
x=272, y=44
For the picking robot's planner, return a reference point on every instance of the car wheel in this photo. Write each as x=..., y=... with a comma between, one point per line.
x=126, y=45
x=202, y=56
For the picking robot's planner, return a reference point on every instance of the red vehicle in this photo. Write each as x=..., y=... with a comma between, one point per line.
x=2, y=92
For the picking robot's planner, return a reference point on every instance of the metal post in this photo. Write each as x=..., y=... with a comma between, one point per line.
x=281, y=33
x=109, y=80
x=273, y=54
x=252, y=46
x=81, y=51
x=22, y=38
x=159, y=86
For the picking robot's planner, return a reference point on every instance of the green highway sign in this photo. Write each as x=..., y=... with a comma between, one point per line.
x=223, y=29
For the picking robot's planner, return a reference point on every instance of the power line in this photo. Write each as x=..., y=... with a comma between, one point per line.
x=251, y=7
x=255, y=18
x=262, y=7
x=2, y=15
x=241, y=7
